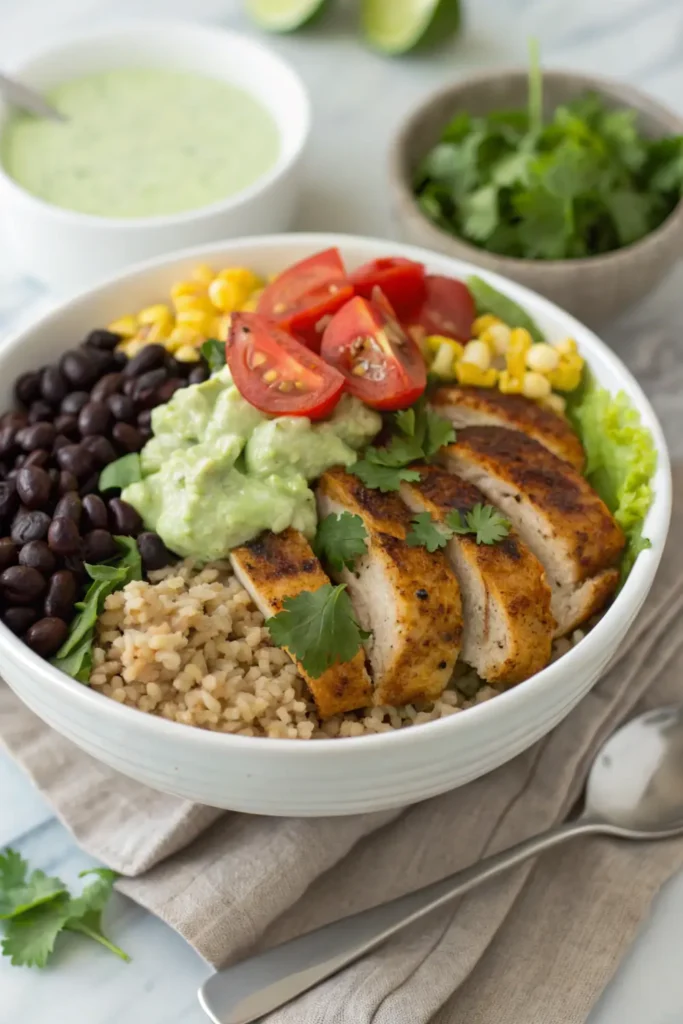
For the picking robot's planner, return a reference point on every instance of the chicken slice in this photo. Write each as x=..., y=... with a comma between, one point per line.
x=508, y=625
x=474, y=407
x=280, y=565
x=406, y=596
x=554, y=509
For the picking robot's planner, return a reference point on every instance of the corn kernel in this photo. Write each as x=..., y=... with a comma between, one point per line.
x=184, y=288
x=556, y=403
x=497, y=337
x=155, y=314
x=508, y=384
x=542, y=358
x=183, y=336
x=470, y=373
x=203, y=273
x=198, y=319
x=567, y=376
x=535, y=385
x=242, y=277
x=225, y=295
x=484, y=323
x=193, y=303
x=515, y=359
x=155, y=332
x=221, y=327
x=126, y=326
x=187, y=354
x=132, y=347
x=566, y=347
x=478, y=353
x=250, y=304
x=443, y=363
x=434, y=342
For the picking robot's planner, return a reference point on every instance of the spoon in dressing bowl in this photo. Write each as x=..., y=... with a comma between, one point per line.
x=634, y=791
x=21, y=96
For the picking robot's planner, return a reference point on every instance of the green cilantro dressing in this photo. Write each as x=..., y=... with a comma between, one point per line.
x=142, y=142
x=217, y=471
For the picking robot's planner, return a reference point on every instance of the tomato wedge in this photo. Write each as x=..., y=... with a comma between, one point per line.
x=307, y=293
x=277, y=374
x=401, y=280
x=382, y=365
x=448, y=309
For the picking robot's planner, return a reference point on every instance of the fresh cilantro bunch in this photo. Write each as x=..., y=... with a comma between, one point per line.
x=585, y=182
x=36, y=909
x=484, y=521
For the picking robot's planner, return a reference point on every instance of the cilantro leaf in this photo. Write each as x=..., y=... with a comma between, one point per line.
x=425, y=533
x=340, y=540
x=382, y=478
x=85, y=911
x=318, y=628
x=20, y=891
x=214, y=353
x=30, y=937
x=119, y=474
x=405, y=421
x=480, y=213
x=455, y=522
x=484, y=521
x=439, y=432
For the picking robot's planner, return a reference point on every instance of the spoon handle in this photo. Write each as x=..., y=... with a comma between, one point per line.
x=246, y=991
x=28, y=99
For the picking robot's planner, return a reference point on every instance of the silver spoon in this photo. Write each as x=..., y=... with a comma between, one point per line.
x=634, y=791
x=19, y=95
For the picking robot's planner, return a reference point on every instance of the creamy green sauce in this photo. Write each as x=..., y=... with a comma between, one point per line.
x=142, y=142
x=217, y=471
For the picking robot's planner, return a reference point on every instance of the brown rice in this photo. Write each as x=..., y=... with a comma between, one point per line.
x=189, y=645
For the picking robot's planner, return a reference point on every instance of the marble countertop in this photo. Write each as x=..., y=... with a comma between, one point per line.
x=358, y=98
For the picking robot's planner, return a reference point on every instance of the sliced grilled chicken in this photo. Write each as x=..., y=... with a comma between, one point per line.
x=554, y=509
x=406, y=596
x=474, y=407
x=280, y=565
x=508, y=626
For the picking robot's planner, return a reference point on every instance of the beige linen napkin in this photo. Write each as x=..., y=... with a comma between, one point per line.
x=536, y=947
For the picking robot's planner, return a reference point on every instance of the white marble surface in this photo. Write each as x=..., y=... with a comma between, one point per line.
x=358, y=98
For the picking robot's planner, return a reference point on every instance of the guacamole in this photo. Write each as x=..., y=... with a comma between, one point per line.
x=217, y=471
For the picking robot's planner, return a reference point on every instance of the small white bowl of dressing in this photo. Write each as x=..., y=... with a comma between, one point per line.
x=176, y=134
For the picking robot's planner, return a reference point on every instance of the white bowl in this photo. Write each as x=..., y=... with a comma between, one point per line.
x=324, y=777
x=66, y=249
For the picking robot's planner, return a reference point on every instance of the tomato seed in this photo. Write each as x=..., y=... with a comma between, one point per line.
x=269, y=376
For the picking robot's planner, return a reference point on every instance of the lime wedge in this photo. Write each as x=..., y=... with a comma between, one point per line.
x=397, y=26
x=284, y=15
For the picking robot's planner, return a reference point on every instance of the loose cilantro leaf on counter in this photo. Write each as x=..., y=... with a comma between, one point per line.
x=119, y=474
x=36, y=909
x=214, y=353
x=425, y=533
x=485, y=521
x=340, y=540
x=318, y=628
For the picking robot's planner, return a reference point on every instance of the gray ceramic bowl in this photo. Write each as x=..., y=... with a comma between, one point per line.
x=594, y=289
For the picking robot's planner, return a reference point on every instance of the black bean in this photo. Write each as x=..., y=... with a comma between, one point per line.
x=61, y=441
x=39, y=435
x=103, y=362
x=102, y=449
x=19, y=619
x=122, y=408
x=108, y=385
x=168, y=389
x=3, y=470
x=95, y=510
x=128, y=386
x=19, y=462
x=67, y=482
x=37, y=458
x=74, y=563
x=38, y=556
x=198, y=374
x=74, y=402
x=94, y=418
x=146, y=399
x=67, y=424
x=46, y=636
x=125, y=518
x=29, y=524
x=21, y=584
x=63, y=536
x=53, y=387
x=145, y=434
x=8, y=435
x=77, y=459
x=70, y=506
x=102, y=339
x=78, y=368
x=153, y=551
x=149, y=381
x=33, y=486
x=9, y=499
x=90, y=485
x=39, y=411
x=148, y=358
x=120, y=359
x=98, y=546
x=127, y=437
x=8, y=552
x=14, y=418
x=144, y=418
x=27, y=388
x=61, y=594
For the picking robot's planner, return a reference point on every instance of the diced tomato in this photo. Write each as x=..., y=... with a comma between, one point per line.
x=302, y=297
x=382, y=365
x=277, y=374
x=448, y=309
x=401, y=280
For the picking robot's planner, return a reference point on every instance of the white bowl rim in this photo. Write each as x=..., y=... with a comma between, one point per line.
x=191, y=31
x=625, y=605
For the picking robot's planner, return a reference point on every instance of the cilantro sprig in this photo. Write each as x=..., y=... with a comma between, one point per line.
x=318, y=628
x=214, y=353
x=36, y=909
x=484, y=521
x=586, y=181
x=340, y=540
x=419, y=434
